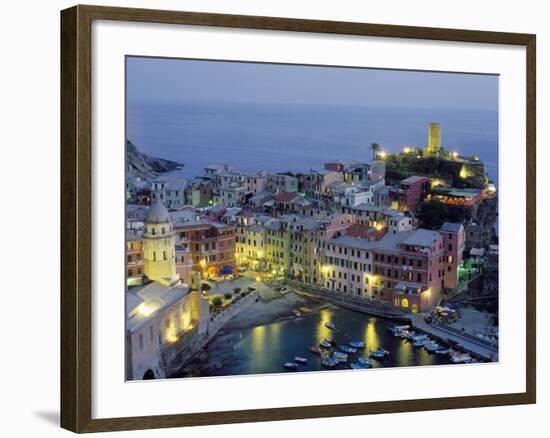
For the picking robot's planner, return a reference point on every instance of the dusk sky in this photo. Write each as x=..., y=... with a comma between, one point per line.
x=157, y=79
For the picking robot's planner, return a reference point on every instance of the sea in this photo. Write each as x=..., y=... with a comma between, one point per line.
x=299, y=137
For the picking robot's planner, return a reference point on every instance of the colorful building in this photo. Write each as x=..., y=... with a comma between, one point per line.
x=453, y=244
x=211, y=245
x=409, y=193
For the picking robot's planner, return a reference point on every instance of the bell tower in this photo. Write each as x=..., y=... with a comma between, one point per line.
x=159, y=246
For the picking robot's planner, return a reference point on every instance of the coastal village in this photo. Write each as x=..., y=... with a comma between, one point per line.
x=408, y=236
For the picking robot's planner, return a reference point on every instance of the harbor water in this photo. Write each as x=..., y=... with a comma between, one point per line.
x=265, y=348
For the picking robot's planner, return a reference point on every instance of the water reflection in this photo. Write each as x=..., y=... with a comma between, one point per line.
x=264, y=349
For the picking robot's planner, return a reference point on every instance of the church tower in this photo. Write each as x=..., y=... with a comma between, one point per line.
x=434, y=140
x=159, y=246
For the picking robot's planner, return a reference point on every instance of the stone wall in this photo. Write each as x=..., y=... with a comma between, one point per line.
x=175, y=356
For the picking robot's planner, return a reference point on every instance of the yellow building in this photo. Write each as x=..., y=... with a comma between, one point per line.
x=159, y=249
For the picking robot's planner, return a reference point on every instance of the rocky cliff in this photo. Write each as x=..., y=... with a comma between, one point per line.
x=146, y=166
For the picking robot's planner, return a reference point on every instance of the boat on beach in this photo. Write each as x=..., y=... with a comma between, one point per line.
x=291, y=366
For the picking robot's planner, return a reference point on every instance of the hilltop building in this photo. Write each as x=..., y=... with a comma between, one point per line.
x=433, y=149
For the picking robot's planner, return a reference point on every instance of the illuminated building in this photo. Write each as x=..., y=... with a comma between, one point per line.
x=158, y=317
x=410, y=192
x=433, y=149
x=159, y=250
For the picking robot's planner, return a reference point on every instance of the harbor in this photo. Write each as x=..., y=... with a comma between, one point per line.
x=323, y=337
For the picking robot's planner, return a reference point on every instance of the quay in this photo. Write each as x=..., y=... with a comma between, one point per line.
x=448, y=334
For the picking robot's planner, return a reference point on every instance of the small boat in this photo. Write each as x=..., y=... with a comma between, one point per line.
x=329, y=362
x=340, y=357
x=325, y=344
x=297, y=312
x=329, y=340
x=315, y=349
x=300, y=359
x=444, y=350
x=347, y=349
x=291, y=366
x=359, y=366
x=415, y=338
x=357, y=344
x=377, y=354
x=330, y=325
x=284, y=291
x=432, y=347
x=365, y=361
x=460, y=358
x=420, y=343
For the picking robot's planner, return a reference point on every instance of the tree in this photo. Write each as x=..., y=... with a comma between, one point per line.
x=432, y=214
x=227, y=295
x=217, y=301
x=375, y=147
x=236, y=290
x=205, y=287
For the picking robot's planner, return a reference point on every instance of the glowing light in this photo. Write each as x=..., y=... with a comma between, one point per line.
x=260, y=254
x=382, y=154
x=258, y=279
x=407, y=150
x=145, y=309
x=202, y=263
x=455, y=154
x=464, y=172
x=436, y=182
x=379, y=226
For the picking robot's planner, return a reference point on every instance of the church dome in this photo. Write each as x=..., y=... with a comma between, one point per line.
x=157, y=214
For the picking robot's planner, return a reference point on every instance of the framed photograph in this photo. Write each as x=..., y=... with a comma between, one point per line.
x=339, y=214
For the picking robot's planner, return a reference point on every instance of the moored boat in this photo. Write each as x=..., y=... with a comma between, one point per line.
x=297, y=312
x=325, y=344
x=328, y=362
x=330, y=325
x=359, y=366
x=347, y=349
x=315, y=349
x=291, y=366
x=357, y=344
x=339, y=356
x=365, y=361
x=300, y=359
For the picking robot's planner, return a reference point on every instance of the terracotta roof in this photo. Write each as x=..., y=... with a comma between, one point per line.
x=285, y=197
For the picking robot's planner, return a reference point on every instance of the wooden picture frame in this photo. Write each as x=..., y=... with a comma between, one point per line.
x=76, y=217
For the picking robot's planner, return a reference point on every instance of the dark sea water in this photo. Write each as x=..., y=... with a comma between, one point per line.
x=265, y=348
x=299, y=137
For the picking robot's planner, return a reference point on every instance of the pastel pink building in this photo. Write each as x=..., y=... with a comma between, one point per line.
x=408, y=269
x=410, y=192
x=453, y=247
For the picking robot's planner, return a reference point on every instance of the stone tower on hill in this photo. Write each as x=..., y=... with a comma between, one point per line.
x=434, y=141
